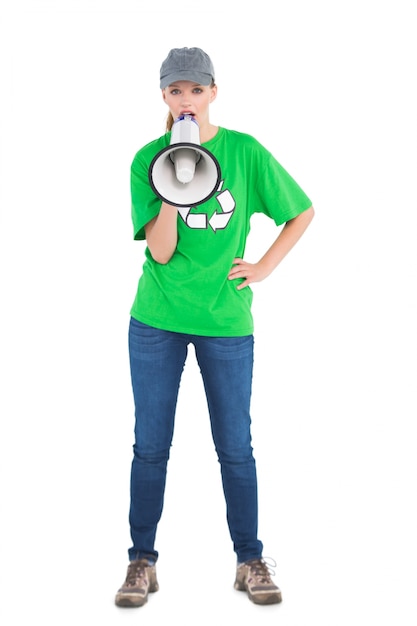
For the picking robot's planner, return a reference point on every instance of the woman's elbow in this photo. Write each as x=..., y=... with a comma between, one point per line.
x=161, y=257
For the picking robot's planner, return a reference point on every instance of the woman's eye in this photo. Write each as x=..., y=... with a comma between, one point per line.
x=175, y=92
x=197, y=90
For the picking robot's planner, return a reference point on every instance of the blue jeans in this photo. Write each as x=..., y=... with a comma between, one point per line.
x=157, y=360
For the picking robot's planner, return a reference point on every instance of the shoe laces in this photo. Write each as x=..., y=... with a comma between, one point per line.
x=262, y=569
x=136, y=573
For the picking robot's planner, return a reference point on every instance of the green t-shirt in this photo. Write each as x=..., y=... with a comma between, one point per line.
x=191, y=293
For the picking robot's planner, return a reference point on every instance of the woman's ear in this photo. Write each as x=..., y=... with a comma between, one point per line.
x=213, y=93
x=163, y=95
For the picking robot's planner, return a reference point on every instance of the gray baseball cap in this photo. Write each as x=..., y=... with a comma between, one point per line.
x=186, y=64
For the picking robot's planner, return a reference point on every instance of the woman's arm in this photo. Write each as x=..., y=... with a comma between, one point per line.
x=288, y=237
x=161, y=233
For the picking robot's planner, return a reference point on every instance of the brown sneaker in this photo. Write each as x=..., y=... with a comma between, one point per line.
x=140, y=580
x=254, y=577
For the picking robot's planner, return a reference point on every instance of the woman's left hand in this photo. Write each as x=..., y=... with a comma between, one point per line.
x=249, y=272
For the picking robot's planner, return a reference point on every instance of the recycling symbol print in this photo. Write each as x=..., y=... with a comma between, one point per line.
x=218, y=221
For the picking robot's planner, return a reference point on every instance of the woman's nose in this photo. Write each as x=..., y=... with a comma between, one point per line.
x=185, y=100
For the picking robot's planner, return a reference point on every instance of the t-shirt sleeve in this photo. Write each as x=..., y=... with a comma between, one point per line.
x=145, y=204
x=277, y=194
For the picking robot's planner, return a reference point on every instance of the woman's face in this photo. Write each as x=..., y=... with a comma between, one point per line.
x=184, y=97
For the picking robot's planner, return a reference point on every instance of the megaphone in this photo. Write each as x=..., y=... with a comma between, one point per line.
x=185, y=173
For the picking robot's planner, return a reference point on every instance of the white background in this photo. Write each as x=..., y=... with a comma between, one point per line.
x=330, y=88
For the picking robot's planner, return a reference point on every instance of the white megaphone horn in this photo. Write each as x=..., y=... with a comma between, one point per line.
x=184, y=173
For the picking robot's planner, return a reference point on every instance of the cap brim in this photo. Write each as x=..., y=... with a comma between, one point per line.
x=195, y=77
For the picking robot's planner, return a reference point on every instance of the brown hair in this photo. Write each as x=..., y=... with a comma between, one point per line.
x=170, y=119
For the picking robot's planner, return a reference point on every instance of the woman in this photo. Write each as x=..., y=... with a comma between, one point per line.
x=195, y=289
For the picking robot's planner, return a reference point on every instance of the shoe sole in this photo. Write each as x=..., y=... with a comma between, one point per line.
x=130, y=603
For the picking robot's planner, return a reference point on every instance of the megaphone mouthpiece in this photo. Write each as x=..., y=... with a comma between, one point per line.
x=185, y=130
